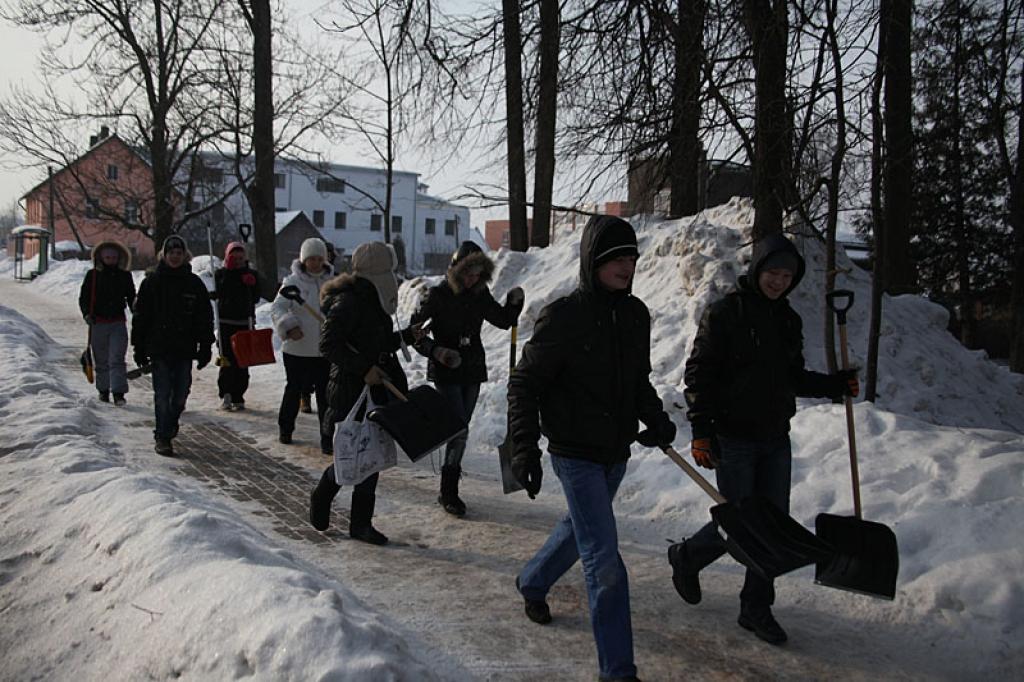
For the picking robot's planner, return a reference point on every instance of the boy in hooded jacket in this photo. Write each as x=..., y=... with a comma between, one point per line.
x=107, y=290
x=359, y=340
x=306, y=370
x=236, y=291
x=584, y=382
x=171, y=326
x=456, y=309
x=744, y=373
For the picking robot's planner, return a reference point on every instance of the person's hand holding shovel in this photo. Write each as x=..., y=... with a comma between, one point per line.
x=703, y=452
x=295, y=333
x=375, y=377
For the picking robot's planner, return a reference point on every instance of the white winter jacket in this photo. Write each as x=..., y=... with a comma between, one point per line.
x=288, y=314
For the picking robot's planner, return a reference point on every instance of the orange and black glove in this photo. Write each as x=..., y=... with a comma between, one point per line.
x=703, y=451
x=847, y=383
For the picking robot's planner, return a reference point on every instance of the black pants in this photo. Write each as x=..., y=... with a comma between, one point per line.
x=233, y=380
x=304, y=375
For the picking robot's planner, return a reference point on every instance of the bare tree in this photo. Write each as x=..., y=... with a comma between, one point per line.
x=513, y=45
x=547, y=109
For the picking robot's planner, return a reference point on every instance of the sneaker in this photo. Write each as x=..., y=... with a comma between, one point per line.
x=368, y=534
x=119, y=400
x=164, y=448
x=285, y=439
x=225, y=404
x=536, y=609
x=762, y=624
x=104, y=396
x=684, y=577
x=238, y=407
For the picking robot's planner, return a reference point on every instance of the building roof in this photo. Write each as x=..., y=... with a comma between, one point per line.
x=283, y=219
x=91, y=150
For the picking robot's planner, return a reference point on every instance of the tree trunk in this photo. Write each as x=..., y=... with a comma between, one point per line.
x=518, y=234
x=547, y=110
x=835, y=177
x=960, y=220
x=261, y=191
x=768, y=26
x=877, y=213
x=685, y=151
x=163, y=205
x=900, y=275
x=1017, y=223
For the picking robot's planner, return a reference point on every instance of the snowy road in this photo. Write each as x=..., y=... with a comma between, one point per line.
x=447, y=584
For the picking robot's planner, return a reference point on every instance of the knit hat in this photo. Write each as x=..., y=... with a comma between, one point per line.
x=174, y=241
x=616, y=240
x=780, y=260
x=314, y=246
x=376, y=261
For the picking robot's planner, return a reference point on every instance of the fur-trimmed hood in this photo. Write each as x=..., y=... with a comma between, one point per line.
x=473, y=260
x=335, y=285
x=124, y=258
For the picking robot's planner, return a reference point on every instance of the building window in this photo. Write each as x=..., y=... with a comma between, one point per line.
x=375, y=221
x=340, y=220
x=330, y=185
x=449, y=227
x=111, y=172
x=318, y=218
x=278, y=180
x=396, y=223
x=131, y=211
x=92, y=208
x=431, y=226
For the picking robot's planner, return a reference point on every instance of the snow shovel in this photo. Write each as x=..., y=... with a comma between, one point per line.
x=867, y=559
x=292, y=293
x=86, y=359
x=222, y=361
x=420, y=422
x=509, y=482
x=758, y=534
x=139, y=371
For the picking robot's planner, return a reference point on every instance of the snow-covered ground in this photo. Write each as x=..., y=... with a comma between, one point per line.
x=113, y=566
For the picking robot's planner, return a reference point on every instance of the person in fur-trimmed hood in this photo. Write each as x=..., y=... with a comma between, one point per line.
x=107, y=290
x=456, y=309
x=298, y=326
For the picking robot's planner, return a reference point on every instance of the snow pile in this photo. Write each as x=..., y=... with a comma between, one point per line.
x=102, y=555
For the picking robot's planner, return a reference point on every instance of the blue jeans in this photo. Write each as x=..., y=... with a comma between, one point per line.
x=462, y=397
x=172, y=379
x=588, y=533
x=745, y=468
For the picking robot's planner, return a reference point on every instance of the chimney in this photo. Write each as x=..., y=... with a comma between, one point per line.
x=104, y=132
x=92, y=141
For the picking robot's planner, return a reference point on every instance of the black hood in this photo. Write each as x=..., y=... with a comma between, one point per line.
x=773, y=243
x=596, y=227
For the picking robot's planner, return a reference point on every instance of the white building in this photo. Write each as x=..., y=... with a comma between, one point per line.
x=344, y=203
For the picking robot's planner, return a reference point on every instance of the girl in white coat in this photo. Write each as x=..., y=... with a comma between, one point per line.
x=299, y=328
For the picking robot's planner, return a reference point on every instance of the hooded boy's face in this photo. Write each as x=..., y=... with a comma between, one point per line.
x=774, y=282
x=617, y=274
x=109, y=257
x=174, y=257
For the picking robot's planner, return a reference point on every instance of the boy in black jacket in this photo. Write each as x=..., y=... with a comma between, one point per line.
x=742, y=379
x=172, y=325
x=583, y=382
x=106, y=291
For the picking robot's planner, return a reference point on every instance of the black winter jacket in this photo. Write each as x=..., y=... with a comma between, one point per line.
x=173, y=317
x=586, y=372
x=356, y=335
x=114, y=287
x=236, y=301
x=457, y=315
x=747, y=364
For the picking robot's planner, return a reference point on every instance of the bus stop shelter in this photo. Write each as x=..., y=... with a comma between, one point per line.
x=31, y=251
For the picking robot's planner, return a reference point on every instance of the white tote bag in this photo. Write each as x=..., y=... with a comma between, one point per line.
x=361, y=448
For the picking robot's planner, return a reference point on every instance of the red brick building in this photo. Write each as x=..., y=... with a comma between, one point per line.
x=496, y=231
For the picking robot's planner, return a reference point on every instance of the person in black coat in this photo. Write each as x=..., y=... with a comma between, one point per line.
x=359, y=340
x=456, y=309
x=584, y=382
x=236, y=290
x=171, y=326
x=107, y=290
x=744, y=373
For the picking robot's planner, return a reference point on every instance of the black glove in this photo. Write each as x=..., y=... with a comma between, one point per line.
x=663, y=432
x=527, y=470
x=203, y=356
x=515, y=297
x=845, y=384
x=141, y=359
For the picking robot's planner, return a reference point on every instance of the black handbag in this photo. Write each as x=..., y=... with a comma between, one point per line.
x=420, y=423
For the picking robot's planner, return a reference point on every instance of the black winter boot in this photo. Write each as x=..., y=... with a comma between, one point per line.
x=685, y=575
x=762, y=623
x=360, y=526
x=321, y=498
x=449, y=497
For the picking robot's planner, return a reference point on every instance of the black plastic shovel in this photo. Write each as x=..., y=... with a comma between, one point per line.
x=867, y=559
x=758, y=534
x=292, y=293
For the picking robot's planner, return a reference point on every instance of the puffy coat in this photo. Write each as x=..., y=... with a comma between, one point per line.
x=586, y=371
x=356, y=335
x=457, y=315
x=288, y=314
x=236, y=300
x=746, y=367
x=173, y=317
x=114, y=287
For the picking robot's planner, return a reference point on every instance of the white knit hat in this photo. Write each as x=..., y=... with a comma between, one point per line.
x=314, y=246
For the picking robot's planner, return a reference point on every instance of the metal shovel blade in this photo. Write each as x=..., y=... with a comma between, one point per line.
x=765, y=539
x=867, y=559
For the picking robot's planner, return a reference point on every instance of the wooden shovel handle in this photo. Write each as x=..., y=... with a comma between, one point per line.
x=394, y=389
x=694, y=474
x=851, y=434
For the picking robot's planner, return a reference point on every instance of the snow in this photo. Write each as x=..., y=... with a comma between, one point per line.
x=113, y=565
